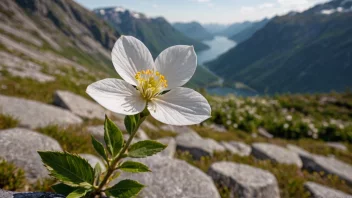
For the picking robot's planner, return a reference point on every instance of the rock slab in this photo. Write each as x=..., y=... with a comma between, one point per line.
x=79, y=105
x=245, y=181
x=196, y=145
x=32, y=114
x=20, y=146
x=328, y=165
x=177, y=129
x=238, y=148
x=172, y=178
x=275, y=153
x=320, y=191
x=170, y=150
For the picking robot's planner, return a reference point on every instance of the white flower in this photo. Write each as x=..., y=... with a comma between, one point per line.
x=286, y=126
x=145, y=81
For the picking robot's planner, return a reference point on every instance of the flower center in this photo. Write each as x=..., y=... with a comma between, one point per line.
x=150, y=83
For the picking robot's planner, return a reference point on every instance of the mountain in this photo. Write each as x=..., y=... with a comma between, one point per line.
x=193, y=30
x=53, y=34
x=234, y=28
x=214, y=28
x=302, y=52
x=249, y=31
x=156, y=33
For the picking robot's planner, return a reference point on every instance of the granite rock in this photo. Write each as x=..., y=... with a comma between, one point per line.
x=79, y=105
x=172, y=178
x=245, y=181
x=32, y=114
x=320, y=191
x=20, y=146
x=275, y=153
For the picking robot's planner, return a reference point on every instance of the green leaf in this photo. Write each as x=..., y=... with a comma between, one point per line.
x=126, y=189
x=134, y=167
x=71, y=169
x=97, y=169
x=131, y=123
x=113, y=137
x=145, y=148
x=116, y=175
x=63, y=189
x=78, y=193
x=99, y=148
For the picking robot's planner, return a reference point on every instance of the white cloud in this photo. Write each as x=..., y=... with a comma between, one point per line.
x=246, y=9
x=265, y=5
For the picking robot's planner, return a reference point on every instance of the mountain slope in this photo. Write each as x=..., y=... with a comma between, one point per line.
x=249, y=31
x=156, y=33
x=306, y=52
x=193, y=30
x=234, y=28
x=214, y=28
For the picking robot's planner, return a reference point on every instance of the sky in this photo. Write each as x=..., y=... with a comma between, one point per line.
x=207, y=11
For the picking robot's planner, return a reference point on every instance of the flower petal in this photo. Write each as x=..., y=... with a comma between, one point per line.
x=129, y=56
x=178, y=64
x=117, y=96
x=180, y=106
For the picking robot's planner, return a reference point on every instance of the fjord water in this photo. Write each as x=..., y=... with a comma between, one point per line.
x=218, y=45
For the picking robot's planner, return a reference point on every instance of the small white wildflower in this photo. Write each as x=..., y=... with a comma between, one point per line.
x=286, y=126
x=144, y=82
x=288, y=117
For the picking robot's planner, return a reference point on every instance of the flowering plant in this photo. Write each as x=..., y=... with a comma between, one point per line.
x=147, y=88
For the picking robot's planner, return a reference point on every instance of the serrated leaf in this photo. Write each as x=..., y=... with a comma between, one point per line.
x=99, y=148
x=63, y=189
x=145, y=148
x=116, y=175
x=71, y=169
x=78, y=193
x=113, y=137
x=126, y=189
x=134, y=167
x=130, y=123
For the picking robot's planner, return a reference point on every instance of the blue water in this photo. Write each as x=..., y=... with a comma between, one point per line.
x=218, y=45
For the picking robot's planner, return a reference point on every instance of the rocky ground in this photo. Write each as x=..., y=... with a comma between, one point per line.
x=209, y=160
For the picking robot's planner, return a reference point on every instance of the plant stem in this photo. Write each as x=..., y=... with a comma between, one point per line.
x=115, y=161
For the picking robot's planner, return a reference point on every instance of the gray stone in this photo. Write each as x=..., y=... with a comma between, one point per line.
x=172, y=178
x=298, y=150
x=170, y=150
x=218, y=128
x=320, y=191
x=337, y=145
x=93, y=160
x=32, y=114
x=264, y=133
x=245, y=181
x=275, y=153
x=177, y=129
x=238, y=148
x=9, y=194
x=196, y=145
x=20, y=146
x=79, y=105
x=17, y=66
x=328, y=165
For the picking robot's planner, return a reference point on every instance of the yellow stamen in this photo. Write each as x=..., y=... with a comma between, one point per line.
x=150, y=83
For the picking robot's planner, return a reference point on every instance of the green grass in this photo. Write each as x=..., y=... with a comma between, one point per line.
x=7, y=122
x=72, y=139
x=11, y=177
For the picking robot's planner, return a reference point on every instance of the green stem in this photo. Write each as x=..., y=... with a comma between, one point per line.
x=115, y=161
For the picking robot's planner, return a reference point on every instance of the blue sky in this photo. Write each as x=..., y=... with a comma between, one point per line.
x=207, y=11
